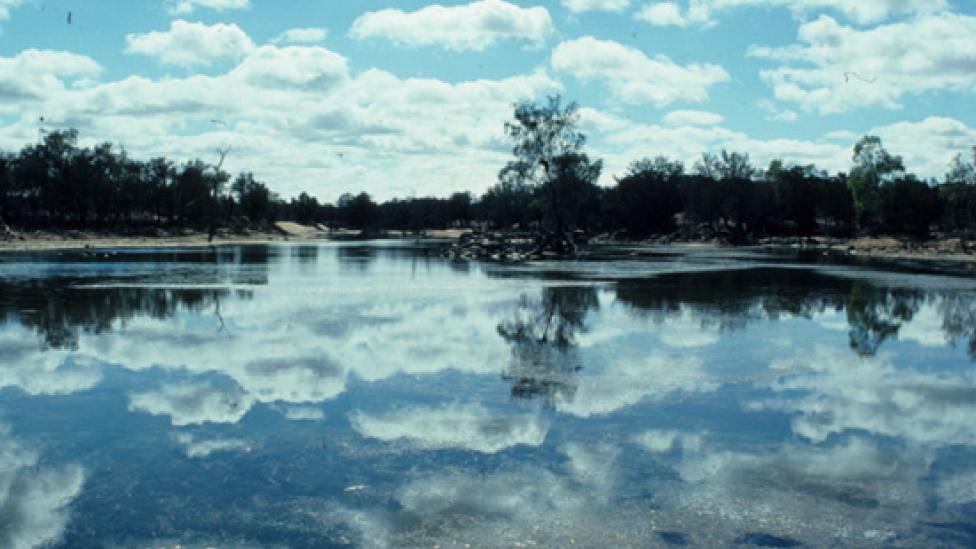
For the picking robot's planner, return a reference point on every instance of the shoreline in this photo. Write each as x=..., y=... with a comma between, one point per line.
x=53, y=243
x=872, y=248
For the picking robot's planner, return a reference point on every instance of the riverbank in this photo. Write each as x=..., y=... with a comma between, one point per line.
x=951, y=250
x=78, y=240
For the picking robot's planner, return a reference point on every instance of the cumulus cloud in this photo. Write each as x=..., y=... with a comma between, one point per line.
x=836, y=392
x=657, y=441
x=927, y=145
x=183, y=7
x=579, y=6
x=6, y=6
x=837, y=68
x=203, y=448
x=302, y=413
x=631, y=379
x=664, y=14
x=32, y=75
x=43, y=372
x=290, y=110
x=189, y=44
x=633, y=77
x=308, y=35
x=693, y=118
x=857, y=489
x=35, y=499
x=193, y=403
x=475, y=26
x=705, y=13
x=469, y=427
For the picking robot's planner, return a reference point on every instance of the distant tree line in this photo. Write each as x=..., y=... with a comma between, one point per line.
x=550, y=185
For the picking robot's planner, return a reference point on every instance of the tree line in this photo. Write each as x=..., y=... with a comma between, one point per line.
x=550, y=185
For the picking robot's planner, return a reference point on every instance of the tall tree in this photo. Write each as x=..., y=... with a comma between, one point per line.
x=548, y=150
x=873, y=165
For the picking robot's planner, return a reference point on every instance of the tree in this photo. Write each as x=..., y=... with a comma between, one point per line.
x=795, y=195
x=908, y=205
x=647, y=198
x=359, y=212
x=873, y=165
x=549, y=158
x=6, y=188
x=961, y=171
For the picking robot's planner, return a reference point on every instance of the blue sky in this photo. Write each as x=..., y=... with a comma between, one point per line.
x=409, y=97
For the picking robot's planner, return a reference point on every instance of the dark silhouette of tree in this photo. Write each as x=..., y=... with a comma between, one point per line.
x=908, y=206
x=646, y=199
x=359, y=212
x=549, y=157
x=542, y=335
x=873, y=165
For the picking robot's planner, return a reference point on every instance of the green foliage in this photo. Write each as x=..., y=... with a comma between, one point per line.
x=647, y=198
x=548, y=150
x=873, y=165
x=359, y=212
x=550, y=183
x=908, y=206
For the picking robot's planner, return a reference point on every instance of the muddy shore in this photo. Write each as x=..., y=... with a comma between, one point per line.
x=950, y=250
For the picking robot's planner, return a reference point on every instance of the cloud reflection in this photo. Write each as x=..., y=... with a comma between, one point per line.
x=34, y=498
x=469, y=427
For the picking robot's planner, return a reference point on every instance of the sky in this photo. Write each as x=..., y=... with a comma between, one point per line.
x=409, y=97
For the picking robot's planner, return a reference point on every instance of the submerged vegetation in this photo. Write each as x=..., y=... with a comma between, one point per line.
x=550, y=186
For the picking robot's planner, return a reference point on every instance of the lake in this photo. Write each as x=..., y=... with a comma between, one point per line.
x=377, y=395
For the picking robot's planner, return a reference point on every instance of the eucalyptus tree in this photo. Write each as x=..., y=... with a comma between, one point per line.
x=549, y=159
x=873, y=165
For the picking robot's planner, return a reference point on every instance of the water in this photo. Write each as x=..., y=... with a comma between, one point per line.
x=377, y=395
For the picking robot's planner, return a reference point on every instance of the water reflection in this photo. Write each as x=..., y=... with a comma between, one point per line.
x=730, y=300
x=542, y=336
x=34, y=497
x=350, y=395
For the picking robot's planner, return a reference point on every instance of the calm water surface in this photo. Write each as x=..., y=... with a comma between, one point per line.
x=379, y=396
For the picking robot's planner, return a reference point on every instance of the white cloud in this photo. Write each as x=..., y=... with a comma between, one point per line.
x=633, y=77
x=189, y=44
x=291, y=110
x=203, y=448
x=837, y=392
x=845, y=485
x=6, y=6
x=36, y=371
x=704, y=13
x=631, y=379
x=470, y=427
x=193, y=403
x=34, y=497
x=32, y=75
x=308, y=35
x=838, y=68
x=302, y=413
x=183, y=7
x=280, y=70
x=579, y=6
x=475, y=26
x=664, y=14
x=959, y=489
x=660, y=442
x=693, y=118
x=927, y=145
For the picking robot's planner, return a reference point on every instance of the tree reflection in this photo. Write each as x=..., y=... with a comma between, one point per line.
x=733, y=299
x=543, y=339
x=877, y=314
x=959, y=321
x=60, y=311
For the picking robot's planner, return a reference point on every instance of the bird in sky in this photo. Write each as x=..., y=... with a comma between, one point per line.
x=848, y=75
